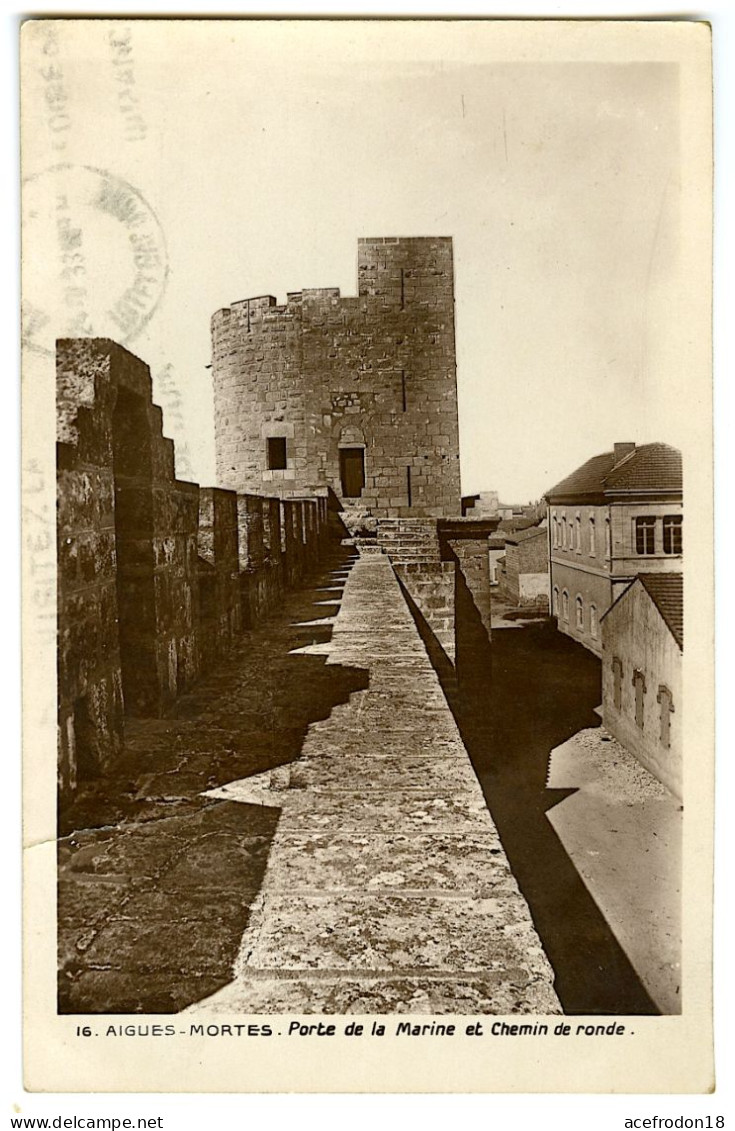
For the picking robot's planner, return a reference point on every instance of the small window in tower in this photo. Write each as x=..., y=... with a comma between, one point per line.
x=277, y=453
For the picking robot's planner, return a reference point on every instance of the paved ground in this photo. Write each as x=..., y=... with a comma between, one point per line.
x=387, y=889
x=304, y=836
x=499, y=619
x=157, y=879
x=622, y=831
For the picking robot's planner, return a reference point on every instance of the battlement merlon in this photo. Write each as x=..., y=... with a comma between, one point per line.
x=387, y=263
x=381, y=260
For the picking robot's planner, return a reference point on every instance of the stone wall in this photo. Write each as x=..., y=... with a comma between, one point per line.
x=526, y=575
x=412, y=545
x=219, y=582
x=89, y=673
x=443, y=568
x=429, y=587
x=155, y=576
x=261, y=559
x=465, y=543
x=635, y=636
x=331, y=381
x=127, y=561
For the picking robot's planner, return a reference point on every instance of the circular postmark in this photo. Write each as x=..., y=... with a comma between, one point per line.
x=94, y=257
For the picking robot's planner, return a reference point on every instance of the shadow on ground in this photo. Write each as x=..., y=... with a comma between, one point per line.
x=514, y=701
x=156, y=881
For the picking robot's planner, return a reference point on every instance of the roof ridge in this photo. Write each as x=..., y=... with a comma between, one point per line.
x=649, y=582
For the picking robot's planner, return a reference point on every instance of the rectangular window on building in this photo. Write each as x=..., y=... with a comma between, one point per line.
x=645, y=533
x=672, y=533
x=276, y=451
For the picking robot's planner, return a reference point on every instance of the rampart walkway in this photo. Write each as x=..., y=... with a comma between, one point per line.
x=386, y=888
x=304, y=833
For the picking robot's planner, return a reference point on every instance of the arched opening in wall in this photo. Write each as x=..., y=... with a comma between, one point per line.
x=666, y=702
x=136, y=604
x=352, y=471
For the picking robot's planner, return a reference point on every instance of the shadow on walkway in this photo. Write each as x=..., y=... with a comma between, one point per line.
x=514, y=701
x=156, y=881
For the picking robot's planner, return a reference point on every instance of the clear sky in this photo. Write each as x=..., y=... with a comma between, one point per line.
x=269, y=149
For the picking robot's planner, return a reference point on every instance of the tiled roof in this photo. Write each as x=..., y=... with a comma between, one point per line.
x=524, y=535
x=510, y=524
x=650, y=467
x=666, y=590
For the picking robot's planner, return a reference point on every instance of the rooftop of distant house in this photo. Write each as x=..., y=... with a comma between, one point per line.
x=509, y=525
x=516, y=537
x=627, y=469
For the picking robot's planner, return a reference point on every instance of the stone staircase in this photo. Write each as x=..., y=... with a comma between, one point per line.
x=358, y=519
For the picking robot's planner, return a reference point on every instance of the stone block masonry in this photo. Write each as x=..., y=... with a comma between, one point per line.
x=127, y=556
x=428, y=583
x=354, y=395
x=219, y=588
x=155, y=576
x=443, y=568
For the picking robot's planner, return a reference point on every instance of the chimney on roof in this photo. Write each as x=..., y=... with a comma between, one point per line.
x=620, y=451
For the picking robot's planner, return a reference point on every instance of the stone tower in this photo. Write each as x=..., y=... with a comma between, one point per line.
x=354, y=394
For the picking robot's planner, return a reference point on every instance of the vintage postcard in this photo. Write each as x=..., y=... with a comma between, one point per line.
x=368, y=654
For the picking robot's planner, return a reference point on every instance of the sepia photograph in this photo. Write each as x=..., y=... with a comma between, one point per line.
x=366, y=382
